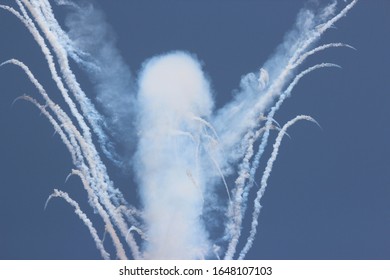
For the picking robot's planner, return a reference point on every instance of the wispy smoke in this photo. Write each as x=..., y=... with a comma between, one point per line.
x=111, y=77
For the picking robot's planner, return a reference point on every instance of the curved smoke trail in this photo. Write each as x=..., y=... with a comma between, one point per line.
x=183, y=149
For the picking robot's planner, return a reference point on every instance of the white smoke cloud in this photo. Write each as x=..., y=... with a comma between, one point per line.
x=173, y=93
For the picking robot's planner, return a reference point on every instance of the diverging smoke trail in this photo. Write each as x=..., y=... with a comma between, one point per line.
x=173, y=95
x=183, y=150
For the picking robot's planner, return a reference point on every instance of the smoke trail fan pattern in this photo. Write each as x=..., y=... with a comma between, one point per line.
x=183, y=148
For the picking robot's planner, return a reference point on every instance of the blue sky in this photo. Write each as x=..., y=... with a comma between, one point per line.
x=329, y=193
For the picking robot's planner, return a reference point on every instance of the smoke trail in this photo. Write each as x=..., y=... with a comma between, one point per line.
x=98, y=170
x=57, y=127
x=318, y=49
x=254, y=98
x=249, y=172
x=273, y=110
x=172, y=89
x=264, y=181
x=109, y=227
x=99, y=179
x=84, y=218
x=288, y=57
x=63, y=118
x=93, y=199
x=27, y=21
x=39, y=11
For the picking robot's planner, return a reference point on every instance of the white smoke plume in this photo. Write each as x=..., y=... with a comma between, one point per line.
x=172, y=93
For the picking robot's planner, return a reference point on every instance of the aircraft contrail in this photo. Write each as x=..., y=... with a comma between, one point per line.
x=195, y=164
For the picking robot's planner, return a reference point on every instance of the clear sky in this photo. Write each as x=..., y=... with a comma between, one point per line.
x=329, y=193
